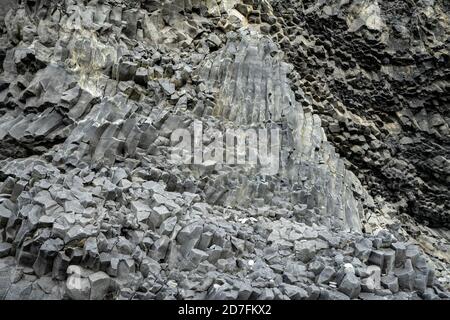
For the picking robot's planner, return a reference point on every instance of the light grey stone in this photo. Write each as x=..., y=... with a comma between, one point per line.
x=326, y=275
x=78, y=288
x=100, y=284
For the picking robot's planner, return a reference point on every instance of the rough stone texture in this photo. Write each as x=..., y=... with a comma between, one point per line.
x=93, y=207
x=377, y=75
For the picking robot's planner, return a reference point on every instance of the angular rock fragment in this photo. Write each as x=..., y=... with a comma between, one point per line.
x=326, y=275
x=390, y=282
x=5, y=249
x=94, y=206
x=100, y=284
x=350, y=285
x=406, y=276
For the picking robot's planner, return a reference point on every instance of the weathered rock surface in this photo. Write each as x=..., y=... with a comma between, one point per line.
x=377, y=75
x=92, y=206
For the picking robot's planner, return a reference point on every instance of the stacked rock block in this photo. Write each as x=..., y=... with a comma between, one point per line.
x=91, y=206
x=253, y=89
x=377, y=74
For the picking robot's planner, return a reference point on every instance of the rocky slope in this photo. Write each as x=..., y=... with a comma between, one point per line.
x=93, y=207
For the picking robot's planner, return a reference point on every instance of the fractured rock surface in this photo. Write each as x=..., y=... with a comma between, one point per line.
x=92, y=206
x=377, y=74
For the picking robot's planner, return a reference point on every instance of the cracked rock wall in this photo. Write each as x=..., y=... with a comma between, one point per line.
x=377, y=74
x=92, y=207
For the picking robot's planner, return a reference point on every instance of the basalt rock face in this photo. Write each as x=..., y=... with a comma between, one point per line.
x=253, y=89
x=377, y=74
x=93, y=205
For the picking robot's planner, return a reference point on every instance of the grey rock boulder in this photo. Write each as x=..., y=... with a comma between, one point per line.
x=350, y=285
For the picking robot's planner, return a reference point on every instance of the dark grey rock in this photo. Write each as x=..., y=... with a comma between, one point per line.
x=5, y=249
x=326, y=275
x=400, y=253
x=390, y=282
x=350, y=285
x=127, y=71
x=406, y=276
x=377, y=258
x=46, y=256
x=100, y=284
x=363, y=249
x=90, y=195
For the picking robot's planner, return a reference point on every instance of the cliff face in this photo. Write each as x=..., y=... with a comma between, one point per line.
x=377, y=74
x=94, y=96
